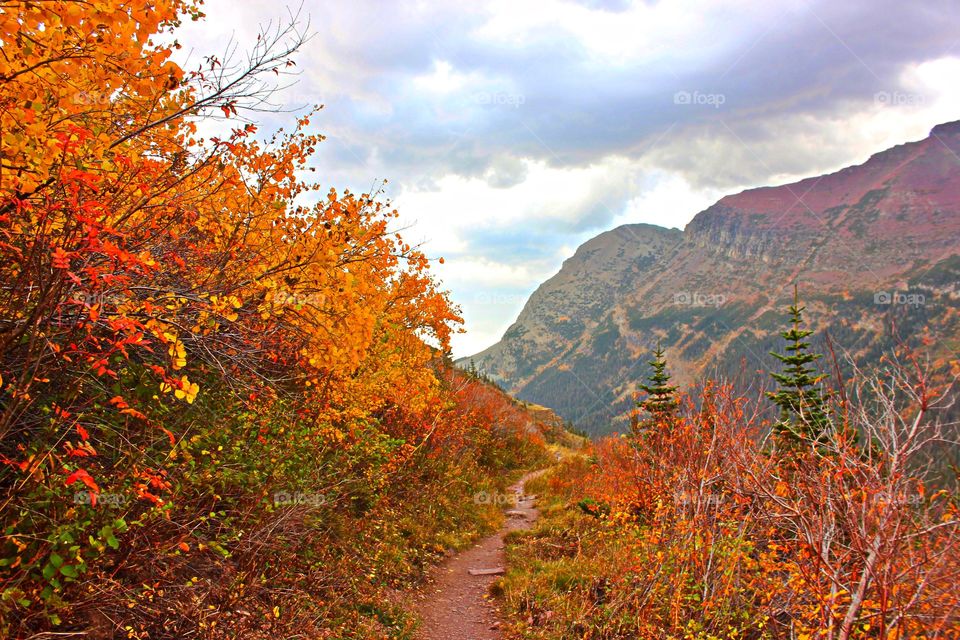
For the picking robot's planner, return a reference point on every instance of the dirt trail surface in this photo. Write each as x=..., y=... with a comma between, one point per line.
x=452, y=604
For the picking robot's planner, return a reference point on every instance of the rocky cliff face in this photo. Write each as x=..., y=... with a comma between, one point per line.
x=572, y=303
x=875, y=249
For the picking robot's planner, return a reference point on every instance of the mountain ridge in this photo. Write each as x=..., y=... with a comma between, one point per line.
x=885, y=225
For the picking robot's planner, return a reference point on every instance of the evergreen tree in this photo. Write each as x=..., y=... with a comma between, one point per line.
x=803, y=408
x=661, y=401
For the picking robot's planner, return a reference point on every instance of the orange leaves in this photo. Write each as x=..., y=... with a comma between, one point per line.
x=226, y=306
x=147, y=266
x=61, y=259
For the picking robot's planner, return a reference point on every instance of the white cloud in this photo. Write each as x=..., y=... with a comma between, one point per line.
x=681, y=30
x=443, y=78
x=670, y=202
x=488, y=273
x=512, y=132
x=548, y=195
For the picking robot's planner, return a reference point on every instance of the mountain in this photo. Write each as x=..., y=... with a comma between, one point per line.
x=874, y=248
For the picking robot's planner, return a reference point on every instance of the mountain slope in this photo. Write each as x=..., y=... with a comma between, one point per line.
x=572, y=303
x=884, y=231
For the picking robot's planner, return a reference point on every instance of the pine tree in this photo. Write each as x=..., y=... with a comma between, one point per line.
x=803, y=408
x=661, y=401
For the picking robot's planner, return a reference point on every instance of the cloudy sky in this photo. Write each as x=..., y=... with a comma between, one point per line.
x=512, y=131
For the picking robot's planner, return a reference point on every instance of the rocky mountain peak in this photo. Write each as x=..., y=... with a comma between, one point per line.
x=717, y=290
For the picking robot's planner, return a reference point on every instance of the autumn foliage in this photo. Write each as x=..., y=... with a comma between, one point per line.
x=705, y=526
x=190, y=328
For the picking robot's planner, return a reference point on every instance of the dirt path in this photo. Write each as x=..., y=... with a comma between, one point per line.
x=452, y=604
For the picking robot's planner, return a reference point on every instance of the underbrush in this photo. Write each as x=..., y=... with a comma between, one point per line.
x=699, y=529
x=305, y=532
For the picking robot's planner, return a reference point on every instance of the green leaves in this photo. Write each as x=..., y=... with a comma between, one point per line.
x=107, y=533
x=69, y=570
x=53, y=564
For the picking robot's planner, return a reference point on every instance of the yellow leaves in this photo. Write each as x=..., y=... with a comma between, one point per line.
x=188, y=390
x=182, y=390
x=226, y=306
x=178, y=354
x=147, y=259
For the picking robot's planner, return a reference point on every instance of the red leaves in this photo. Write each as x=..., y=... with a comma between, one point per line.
x=100, y=367
x=173, y=441
x=228, y=109
x=84, y=178
x=154, y=481
x=126, y=409
x=83, y=451
x=61, y=259
x=87, y=480
x=22, y=465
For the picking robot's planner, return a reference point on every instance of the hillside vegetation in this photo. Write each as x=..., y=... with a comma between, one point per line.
x=228, y=407
x=224, y=406
x=704, y=523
